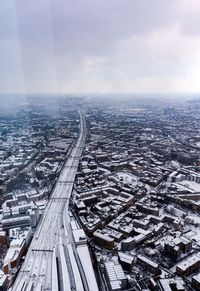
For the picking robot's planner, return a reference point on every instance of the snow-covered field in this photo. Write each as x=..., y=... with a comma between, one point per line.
x=194, y=186
x=127, y=178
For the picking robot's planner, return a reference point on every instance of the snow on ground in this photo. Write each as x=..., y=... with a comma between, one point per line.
x=191, y=185
x=193, y=219
x=174, y=164
x=194, y=235
x=175, y=211
x=127, y=178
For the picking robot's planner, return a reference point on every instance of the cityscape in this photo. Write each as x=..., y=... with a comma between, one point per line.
x=100, y=194
x=99, y=145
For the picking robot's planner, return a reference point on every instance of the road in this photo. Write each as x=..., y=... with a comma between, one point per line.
x=50, y=263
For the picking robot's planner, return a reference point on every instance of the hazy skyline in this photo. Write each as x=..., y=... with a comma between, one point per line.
x=86, y=46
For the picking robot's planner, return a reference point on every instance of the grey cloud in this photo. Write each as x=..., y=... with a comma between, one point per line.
x=191, y=24
x=57, y=39
x=55, y=35
x=90, y=26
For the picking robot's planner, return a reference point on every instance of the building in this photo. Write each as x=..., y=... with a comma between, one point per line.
x=115, y=277
x=176, y=246
x=196, y=282
x=126, y=261
x=171, y=284
x=147, y=264
x=189, y=265
x=14, y=255
x=3, y=282
x=3, y=238
x=103, y=240
x=128, y=244
x=18, y=246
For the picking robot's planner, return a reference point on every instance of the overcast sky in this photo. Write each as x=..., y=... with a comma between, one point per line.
x=85, y=46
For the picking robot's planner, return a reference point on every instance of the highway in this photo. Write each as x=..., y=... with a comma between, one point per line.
x=51, y=262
